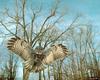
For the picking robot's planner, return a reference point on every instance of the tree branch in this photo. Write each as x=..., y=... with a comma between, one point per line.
x=53, y=41
x=7, y=28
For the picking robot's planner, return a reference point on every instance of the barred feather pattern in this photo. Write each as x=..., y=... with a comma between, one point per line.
x=20, y=47
x=32, y=60
x=23, y=50
x=56, y=52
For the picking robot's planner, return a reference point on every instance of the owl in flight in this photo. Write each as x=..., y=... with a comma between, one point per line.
x=36, y=59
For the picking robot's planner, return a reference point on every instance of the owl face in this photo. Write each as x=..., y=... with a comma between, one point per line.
x=39, y=50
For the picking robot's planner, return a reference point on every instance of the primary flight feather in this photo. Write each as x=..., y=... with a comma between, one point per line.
x=35, y=60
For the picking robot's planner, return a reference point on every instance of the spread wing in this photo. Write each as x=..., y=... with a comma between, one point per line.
x=57, y=52
x=36, y=62
x=54, y=53
x=24, y=50
x=20, y=47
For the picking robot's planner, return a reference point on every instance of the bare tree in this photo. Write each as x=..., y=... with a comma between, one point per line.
x=44, y=34
x=10, y=68
x=84, y=56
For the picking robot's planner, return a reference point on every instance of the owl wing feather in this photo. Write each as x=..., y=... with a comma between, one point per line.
x=56, y=52
x=20, y=47
x=36, y=62
x=23, y=50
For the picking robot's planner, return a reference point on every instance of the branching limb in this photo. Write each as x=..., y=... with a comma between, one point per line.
x=7, y=28
x=53, y=41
